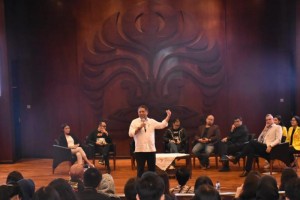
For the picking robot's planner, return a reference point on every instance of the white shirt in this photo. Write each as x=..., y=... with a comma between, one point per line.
x=70, y=140
x=145, y=138
x=271, y=135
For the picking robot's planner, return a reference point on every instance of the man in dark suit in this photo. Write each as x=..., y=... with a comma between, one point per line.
x=207, y=136
x=234, y=142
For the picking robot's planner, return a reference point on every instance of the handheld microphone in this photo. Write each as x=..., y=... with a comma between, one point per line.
x=143, y=120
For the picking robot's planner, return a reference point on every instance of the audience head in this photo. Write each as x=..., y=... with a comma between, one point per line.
x=76, y=172
x=9, y=191
x=46, y=193
x=295, y=121
x=201, y=180
x=206, y=192
x=130, y=189
x=182, y=175
x=27, y=188
x=267, y=188
x=13, y=177
x=292, y=189
x=286, y=175
x=92, y=177
x=250, y=185
x=150, y=187
x=63, y=188
x=107, y=184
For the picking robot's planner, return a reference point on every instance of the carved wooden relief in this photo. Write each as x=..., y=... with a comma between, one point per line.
x=152, y=51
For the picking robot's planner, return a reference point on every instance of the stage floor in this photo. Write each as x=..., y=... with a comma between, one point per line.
x=40, y=170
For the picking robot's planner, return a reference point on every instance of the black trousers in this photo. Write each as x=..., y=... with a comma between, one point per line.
x=104, y=151
x=141, y=158
x=250, y=150
x=229, y=148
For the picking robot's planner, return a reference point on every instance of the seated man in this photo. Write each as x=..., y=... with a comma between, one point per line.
x=234, y=142
x=175, y=137
x=269, y=137
x=102, y=141
x=206, y=138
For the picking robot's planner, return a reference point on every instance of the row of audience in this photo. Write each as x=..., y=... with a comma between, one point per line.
x=91, y=184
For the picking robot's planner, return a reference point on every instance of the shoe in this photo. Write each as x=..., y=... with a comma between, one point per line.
x=204, y=167
x=244, y=174
x=293, y=165
x=224, y=169
x=91, y=165
x=101, y=162
x=108, y=170
x=267, y=166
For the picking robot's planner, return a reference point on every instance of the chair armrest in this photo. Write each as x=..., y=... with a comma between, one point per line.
x=58, y=146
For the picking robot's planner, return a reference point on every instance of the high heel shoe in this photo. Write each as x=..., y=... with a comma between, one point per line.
x=91, y=165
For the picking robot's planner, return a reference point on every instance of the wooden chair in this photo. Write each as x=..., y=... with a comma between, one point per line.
x=61, y=154
x=111, y=154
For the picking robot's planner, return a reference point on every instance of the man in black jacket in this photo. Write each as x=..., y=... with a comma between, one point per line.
x=102, y=142
x=234, y=142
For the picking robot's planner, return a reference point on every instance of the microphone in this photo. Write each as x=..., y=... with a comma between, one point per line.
x=144, y=120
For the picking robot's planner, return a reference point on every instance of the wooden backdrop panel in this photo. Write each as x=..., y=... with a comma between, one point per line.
x=85, y=60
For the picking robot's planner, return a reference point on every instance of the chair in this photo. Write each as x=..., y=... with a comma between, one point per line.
x=131, y=151
x=297, y=156
x=61, y=154
x=97, y=155
x=214, y=154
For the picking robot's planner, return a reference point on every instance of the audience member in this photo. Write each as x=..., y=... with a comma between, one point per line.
x=208, y=135
x=102, y=142
x=182, y=176
x=165, y=178
x=267, y=188
x=130, y=189
x=150, y=187
x=76, y=177
x=269, y=137
x=13, y=177
x=286, y=175
x=175, y=137
x=91, y=179
x=46, y=193
x=234, y=142
x=107, y=186
x=247, y=191
x=206, y=192
x=64, y=189
x=292, y=189
x=201, y=180
x=293, y=138
x=67, y=139
x=8, y=192
x=27, y=188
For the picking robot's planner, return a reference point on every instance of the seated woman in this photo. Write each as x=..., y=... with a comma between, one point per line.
x=293, y=138
x=67, y=139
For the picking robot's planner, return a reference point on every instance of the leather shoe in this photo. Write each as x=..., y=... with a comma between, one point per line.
x=233, y=159
x=244, y=174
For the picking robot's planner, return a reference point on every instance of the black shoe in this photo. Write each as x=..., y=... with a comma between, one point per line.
x=233, y=159
x=244, y=174
x=101, y=162
x=224, y=169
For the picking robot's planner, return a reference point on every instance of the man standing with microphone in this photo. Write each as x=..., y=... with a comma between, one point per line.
x=142, y=129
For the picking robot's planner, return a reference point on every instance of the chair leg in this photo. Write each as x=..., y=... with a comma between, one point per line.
x=217, y=162
x=271, y=166
x=194, y=160
x=114, y=163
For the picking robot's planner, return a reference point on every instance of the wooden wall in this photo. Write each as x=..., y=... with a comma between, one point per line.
x=79, y=61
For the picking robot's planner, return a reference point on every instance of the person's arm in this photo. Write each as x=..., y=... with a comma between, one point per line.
x=278, y=136
x=164, y=123
x=108, y=139
x=167, y=136
x=183, y=135
x=135, y=128
x=215, y=136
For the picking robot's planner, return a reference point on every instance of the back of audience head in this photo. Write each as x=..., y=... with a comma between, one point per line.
x=292, y=189
x=46, y=193
x=150, y=187
x=182, y=176
x=76, y=172
x=206, y=192
x=92, y=177
x=267, y=188
x=13, y=177
x=250, y=185
x=64, y=189
x=130, y=189
x=8, y=192
x=202, y=180
x=27, y=188
x=287, y=174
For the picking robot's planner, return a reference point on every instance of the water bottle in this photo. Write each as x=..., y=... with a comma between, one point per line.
x=218, y=186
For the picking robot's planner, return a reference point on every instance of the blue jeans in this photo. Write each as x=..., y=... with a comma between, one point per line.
x=173, y=147
x=202, y=151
